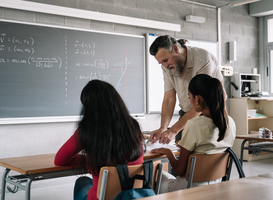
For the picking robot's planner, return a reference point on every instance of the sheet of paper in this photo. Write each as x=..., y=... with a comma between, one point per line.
x=171, y=145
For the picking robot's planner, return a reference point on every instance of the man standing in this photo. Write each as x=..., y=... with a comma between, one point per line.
x=180, y=63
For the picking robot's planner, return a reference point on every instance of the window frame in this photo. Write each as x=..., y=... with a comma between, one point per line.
x=268, y=46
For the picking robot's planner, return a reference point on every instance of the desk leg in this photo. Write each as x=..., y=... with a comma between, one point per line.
x=242, y=151
x=3, y=188
x=28, y=184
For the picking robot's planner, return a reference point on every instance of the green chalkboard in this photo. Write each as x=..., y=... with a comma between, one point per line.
x=44, y=68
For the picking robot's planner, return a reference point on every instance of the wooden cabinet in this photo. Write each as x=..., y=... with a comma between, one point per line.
x=245, y=125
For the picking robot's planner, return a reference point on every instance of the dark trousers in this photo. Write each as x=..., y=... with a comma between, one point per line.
x=82, y=187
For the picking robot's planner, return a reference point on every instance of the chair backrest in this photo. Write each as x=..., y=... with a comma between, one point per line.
x=109, y=179
x=206, y=167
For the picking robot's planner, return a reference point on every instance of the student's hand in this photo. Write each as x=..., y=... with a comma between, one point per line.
x=162, y=150
x=176, y=143
x=155, y=135
x=167, y=136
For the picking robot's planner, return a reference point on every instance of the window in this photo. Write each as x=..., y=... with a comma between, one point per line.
x=271, y=69
x=270, y=30
x=268, y=54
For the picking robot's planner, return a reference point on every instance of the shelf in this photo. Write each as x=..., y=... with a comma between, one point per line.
x=238, y=111
x=260, y=98
x=249, y=81
x=252, y=118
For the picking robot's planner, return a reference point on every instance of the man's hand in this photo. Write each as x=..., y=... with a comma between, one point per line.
x=166, y=136
x=161, y=136
x=154, y=137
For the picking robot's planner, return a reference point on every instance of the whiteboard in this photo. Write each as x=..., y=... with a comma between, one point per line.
x=155, y=82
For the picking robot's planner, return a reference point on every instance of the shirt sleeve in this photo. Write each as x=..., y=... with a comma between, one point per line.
x=188, y=140
x=68, y=154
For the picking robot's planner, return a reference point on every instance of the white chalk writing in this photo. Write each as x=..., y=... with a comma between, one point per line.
x=94, y=75
x=46, y=62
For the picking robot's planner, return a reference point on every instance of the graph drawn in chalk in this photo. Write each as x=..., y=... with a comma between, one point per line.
x=123, y=68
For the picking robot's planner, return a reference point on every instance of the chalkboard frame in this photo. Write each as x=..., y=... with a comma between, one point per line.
x=74, y=118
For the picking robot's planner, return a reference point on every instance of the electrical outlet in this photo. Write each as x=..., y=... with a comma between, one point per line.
x=227, y=70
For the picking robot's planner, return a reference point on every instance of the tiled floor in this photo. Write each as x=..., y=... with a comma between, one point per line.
x=64, y=191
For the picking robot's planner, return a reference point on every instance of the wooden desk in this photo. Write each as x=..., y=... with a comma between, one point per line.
x=250, y=188
x=260, y=147
x=41, y=167
x=253, y=137
x=33, y=168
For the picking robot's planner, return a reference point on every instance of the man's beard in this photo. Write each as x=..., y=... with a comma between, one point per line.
x=180, y=66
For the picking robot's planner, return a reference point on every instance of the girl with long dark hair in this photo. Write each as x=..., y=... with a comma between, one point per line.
x=106, y=133
x=210, y=133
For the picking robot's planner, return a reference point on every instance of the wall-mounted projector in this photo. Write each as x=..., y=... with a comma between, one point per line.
x=195, y=19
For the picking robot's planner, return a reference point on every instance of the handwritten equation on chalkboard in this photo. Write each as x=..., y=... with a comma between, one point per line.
x=44, y=69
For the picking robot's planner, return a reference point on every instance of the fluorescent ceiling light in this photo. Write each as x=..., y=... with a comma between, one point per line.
x=195, y=19
x=241, y=2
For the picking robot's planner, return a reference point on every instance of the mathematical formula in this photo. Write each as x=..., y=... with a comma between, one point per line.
x=27, y=55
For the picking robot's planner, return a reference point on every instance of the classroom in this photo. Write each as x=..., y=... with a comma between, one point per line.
x=239, y=34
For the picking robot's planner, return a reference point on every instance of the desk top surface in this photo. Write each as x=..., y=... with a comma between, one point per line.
x=250, y=188
x=33, y=164
x=253, y=137
x=45, y=163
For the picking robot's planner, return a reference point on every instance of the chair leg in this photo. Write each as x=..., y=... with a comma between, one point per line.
x=3, y=188
x=229, y=169
x=193, y=160
x=242, y=152
x=159, y=177
x=103, y=184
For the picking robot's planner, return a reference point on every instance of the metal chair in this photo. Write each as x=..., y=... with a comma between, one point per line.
x=208, y=167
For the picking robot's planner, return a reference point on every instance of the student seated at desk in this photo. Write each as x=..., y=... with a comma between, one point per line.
x=210, y=133
x=107, y=134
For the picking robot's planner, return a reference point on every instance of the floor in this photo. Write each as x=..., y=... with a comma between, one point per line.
x=63, y=190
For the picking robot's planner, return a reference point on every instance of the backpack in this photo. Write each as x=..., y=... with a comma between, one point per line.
x=127, y=183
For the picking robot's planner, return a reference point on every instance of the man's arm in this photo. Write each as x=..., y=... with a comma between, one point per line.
x=167, y=109
x=168, y=105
